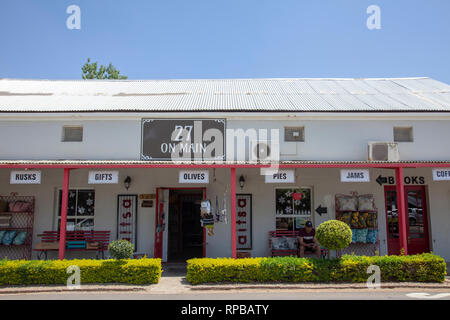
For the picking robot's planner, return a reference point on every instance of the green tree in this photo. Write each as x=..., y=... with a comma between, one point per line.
x=92, y=71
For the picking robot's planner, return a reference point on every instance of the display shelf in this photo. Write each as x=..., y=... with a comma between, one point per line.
x=20, y=221
x=359, y=248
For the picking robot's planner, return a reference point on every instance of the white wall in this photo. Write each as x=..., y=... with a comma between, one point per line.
x=339, y=139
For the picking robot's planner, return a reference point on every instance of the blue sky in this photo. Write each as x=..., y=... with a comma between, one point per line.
x=169, y=39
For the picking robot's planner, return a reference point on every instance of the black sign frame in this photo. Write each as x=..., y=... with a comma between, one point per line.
x=217, y=123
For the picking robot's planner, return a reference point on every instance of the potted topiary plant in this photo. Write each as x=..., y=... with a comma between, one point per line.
x=120, y=249
x=334, y=235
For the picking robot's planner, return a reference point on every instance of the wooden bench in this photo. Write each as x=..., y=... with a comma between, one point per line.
x=288, y=252
x=79, y=240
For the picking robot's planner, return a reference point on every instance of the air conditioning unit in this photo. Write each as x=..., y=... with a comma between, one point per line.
x=383, y=151
x=264, y=150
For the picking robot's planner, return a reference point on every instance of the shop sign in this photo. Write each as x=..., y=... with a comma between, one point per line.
x=281, y=176
x=406, y=180
x=355, y=175
x=183, y=139
x=441, y=174
x=127, y=218
x=103, y=177
x=244, y=221
x=147, y=196
x=25, y=177
x=191, y=176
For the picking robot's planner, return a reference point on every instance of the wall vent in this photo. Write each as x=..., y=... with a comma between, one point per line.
x=72, y=134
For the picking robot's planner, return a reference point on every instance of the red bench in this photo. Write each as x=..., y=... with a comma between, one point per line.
x=287, y=252
x=79, y=240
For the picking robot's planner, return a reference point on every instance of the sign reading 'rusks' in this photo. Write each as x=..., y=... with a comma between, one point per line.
x=183, y=139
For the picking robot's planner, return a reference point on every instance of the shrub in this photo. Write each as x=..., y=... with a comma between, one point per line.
x=120, y=249
x=334, y=234
x=32, y=272
x=415, y=268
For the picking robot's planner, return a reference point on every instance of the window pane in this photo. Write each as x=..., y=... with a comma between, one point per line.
x=70, y=204
x=300, y=222
x=85, y=203
x=285, y=223
x=85, y=224
x=284, y=201
x=303, y=206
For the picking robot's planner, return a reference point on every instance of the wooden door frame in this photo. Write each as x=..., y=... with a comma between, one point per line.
x=425, y=214
x=158, y=248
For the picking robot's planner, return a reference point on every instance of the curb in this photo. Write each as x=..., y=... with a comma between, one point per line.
x=318, y=287
x=50, y=290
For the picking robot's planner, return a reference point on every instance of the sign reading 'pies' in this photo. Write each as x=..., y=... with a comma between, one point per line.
x=280, y=176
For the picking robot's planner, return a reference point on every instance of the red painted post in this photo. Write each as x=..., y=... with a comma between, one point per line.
x=63, y=223
x=204, y=229
x=233, y=213
x=402, y=215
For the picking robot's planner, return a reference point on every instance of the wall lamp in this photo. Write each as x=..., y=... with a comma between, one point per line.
x=241, y=181
x=127, y=182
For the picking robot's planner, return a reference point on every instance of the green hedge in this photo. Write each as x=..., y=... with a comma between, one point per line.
x=30, y=272
x=414, y=268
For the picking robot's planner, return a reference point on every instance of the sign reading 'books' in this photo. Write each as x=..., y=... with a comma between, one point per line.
x=183, y=139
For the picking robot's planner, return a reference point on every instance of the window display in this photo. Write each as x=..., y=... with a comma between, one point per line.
x=293, y=208
x=361, y=214
x=80, y=209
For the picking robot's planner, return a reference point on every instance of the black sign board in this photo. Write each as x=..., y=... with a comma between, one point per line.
x=183, y=139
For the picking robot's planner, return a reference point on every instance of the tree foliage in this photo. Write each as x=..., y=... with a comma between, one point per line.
x=91, y=70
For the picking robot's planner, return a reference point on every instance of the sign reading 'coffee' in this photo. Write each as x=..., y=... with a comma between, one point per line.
x=183, y=139
x=441, y=174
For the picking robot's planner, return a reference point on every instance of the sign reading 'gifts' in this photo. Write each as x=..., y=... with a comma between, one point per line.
x=103, y=177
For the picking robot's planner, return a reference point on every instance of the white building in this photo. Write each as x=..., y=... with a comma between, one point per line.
x=316, y=128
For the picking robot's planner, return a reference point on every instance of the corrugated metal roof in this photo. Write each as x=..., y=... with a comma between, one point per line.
x=273, y=95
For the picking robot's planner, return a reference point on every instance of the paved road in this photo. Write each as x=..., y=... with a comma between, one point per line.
x=357, y=294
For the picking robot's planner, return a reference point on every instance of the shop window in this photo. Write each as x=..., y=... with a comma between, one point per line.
x=80, y=209
x=293, y=208
x=72, y=134
x=403, y=134
x=294, y=134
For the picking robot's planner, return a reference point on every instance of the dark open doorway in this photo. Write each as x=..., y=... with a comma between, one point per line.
x=185, y=233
